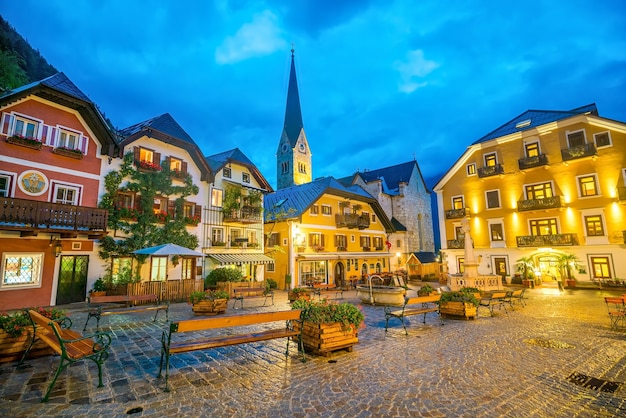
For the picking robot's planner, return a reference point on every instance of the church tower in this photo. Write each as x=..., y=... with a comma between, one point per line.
x=293, y=157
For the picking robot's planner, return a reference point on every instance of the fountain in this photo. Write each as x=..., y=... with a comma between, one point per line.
x=380, y=294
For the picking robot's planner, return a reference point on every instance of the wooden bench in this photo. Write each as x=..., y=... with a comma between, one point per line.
x=70, y=345
x=241, y=293
x=225, y=323
x=319, y=288
x=101, y=310
x=493, y=299
x=414, y=306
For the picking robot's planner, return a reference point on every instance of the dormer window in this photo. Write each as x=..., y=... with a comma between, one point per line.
x=245, y=177
x=226, y=172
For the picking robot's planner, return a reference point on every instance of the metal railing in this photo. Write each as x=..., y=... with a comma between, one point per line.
x=580, y=151
x=535, y=161
x=544, y=240
x=536, y=204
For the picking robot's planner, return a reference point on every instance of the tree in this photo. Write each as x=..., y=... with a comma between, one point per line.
x=567, y=262
x=11, y=73
x=526, y=267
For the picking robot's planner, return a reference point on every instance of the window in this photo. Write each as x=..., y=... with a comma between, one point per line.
x=176, y=164
x=216, y=197
x=497, y=232
x=471, y=169
x=188, y=268
x=460, y=264
x=365, y=215
x=302, y=168
x=284, y=167
x=373, y=218
x=576, y=139
x=68, y=139
x=316, y=239
x=532, y=149
x=311, y=272
x=490, y=160
x=601, y=267
x=160, y=205
x=21, y=270
x=125, y=200
x=121, y=268
x=457, y=202
x=217, y=236
x=493, y=199
x=458, y=232
x=499, y=264
x=245, y=177
x=365, y=241
x=65, y=195
x=25, y=127
x=398, y=243
x=314, y=210
x=588, y=186
x=378, y=243
x=5, y=185
x=543, y=227
x=327, y=210
x=593, y=226
x=274, y=239
x=602, y=139
x=189, y=210
x=341, y=241
x=235, y=234
x=146, y=155
x=271, y=267
x=226, y=172
x=252, y=238
x=539, y=191
x=158, y=269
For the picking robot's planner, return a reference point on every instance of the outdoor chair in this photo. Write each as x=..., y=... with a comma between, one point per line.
x=617, y=311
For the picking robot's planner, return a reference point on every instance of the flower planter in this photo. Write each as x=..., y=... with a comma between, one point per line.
x=68, y=153
x=12, y=348
x=23, y=142
x=459, y=309
x=322, y=339
x=98, y=293
x=299, y=296
x=570, y=283
x=210, y=307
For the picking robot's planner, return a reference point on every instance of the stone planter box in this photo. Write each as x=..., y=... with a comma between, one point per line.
x=12, y=348
x=24, y=142
x=68, y=153
x=458, y=309
x=322, y=339
x=210, y=307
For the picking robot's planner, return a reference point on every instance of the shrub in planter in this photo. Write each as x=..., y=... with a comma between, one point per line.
x=222, y=275
x=271, y=284
x=299, y=293
x=324, y=312
x=425, y=290
x=211, y=302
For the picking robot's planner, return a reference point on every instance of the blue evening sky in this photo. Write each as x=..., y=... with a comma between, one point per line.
x=381, y=81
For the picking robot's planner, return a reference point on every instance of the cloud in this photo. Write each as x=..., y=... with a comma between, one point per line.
x=415, y=67
x=259, y=37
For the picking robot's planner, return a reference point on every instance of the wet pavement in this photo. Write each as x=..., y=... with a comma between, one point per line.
x=555, y=357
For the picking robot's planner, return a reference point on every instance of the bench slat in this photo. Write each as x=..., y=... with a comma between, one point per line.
x=224, y=341
x=235, y=320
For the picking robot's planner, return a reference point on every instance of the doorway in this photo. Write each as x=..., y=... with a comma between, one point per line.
x=340, y=278
x=72, y=279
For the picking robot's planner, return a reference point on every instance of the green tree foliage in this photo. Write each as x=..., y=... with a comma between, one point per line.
x=144, y=228
x=11, y=74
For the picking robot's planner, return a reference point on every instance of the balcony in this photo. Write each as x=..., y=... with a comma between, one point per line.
x=352, y=220
x=457, y=213
x=245, y=215
x=547, y=240
x=624, y=234
x=621, y=194
x=539, y=204
x=456, y=243
x=490, y=170
x=31, y=217
x=581, y=151
x=530, y=162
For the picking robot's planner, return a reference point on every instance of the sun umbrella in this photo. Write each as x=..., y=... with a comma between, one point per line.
x=168, y=249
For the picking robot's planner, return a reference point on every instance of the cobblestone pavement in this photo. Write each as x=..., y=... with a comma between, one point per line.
x=515, y=365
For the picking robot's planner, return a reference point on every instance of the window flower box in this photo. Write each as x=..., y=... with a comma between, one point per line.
x=23, y=141
x=149, y=166
x=68, y=152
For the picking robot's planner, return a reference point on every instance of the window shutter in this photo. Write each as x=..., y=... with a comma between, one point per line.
x=52, y=140
x=157, y=158
x=171, y=207
x=137, y=154
x=310, y=239
x=322, y=240
x=184, y=167
x=197, y=211
x=137, y=200
x=44, y=134
x=6, y=123
x=168, y=162
x=336, y=240
x=83, y=144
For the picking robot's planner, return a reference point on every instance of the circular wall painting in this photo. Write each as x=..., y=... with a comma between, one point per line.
x=33, y=183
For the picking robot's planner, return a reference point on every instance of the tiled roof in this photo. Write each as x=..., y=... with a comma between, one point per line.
x=59, y=82
x=397, y=225
x=426, y=257
x=533, y=118
x=164, y=123
x=217, y=161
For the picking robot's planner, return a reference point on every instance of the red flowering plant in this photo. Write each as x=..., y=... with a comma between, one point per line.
x=28, y=139
x=74, y=150
x=149, y=165
x=192, y=220
x=15, y=323
x=162, y=216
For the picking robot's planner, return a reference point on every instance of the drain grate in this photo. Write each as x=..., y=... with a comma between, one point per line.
x=585, y=381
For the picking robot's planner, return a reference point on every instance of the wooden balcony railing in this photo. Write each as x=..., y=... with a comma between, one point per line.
x=245, y=215
x=352, y=220
x=457, y=213
x=530, y=162
x=456, y=243
x=32, y=216
x=537, y=204
x=544, y=240
x=490, y=170
x=581, y=151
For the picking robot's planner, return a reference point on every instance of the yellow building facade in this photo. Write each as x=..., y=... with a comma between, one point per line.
x=323, y=232
x=546, y=186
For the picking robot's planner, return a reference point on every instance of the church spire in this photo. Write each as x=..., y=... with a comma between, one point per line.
x=293, y=113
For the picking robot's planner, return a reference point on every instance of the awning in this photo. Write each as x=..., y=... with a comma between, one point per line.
x=240, y=258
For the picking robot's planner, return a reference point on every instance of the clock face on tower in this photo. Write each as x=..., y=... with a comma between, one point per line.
x=302, y=148
x=285, y=147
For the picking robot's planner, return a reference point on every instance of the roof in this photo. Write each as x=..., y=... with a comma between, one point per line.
x=533, y=118
x=397, y=225
x=295, y=200
x=293, y=114
x=58, y=88
x=425, y=257
x=235, y=155
x=164, y=123
x=391, y=177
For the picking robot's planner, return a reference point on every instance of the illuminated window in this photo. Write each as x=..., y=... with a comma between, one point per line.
x=316, y=239
x=457, y=202
x=600, y=267
x=216, y=197
x=532, y=149
x=188, y=266
x=491, y=160
x=314, y=210
x=543, y=226
x=460, y=264
x=365, y=241
x=539, y=191
x=378, y=243
x=176, y=164
x=160, y=205
x=497, y=232
x=21, y=270
x=493, y=199
x=327, y=210
x=341, y=241
x=158, y=269
x=593, y=225
x=471, y=169
x=602, y=139
x=217, y=236
x=588, y=185
x=146, y=155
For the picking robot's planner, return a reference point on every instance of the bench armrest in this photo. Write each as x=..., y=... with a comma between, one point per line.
x=102, y=340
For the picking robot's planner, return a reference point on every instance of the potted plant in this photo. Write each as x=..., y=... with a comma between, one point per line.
x=566, y=263
x=210, y=302
x=327, y=326
x=299, y=293
x=526, y=268
x=99, y=288
x=461, y=303
x=425, y=290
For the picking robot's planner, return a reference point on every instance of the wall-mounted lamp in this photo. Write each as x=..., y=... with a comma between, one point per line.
x=58, y=248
